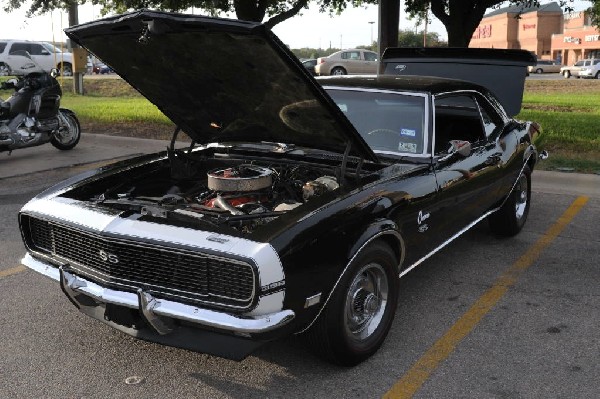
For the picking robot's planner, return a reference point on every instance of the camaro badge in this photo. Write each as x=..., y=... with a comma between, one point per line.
x=108, y=257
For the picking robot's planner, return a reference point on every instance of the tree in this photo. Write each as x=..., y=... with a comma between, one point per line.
x=410, y=38
x=461, y=17
x=594, y=11
x=249, y=10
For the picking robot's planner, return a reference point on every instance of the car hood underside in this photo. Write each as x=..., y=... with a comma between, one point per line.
x=221, y=80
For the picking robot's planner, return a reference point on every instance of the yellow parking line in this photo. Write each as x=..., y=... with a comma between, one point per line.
x=10, y=272
x=429, y=362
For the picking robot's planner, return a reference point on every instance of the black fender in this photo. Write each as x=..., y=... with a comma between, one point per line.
x=383, y=229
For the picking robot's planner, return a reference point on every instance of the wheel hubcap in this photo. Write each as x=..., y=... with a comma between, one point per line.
x=521, y=203
x=366, y=301
x=67, y=132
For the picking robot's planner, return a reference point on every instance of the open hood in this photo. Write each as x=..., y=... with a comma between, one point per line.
x=221, y=80
x=500, y=71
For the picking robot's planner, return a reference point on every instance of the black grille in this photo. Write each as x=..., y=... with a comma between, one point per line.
x=167, y=272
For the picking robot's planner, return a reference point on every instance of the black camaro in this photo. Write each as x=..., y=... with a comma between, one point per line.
x=298, y=204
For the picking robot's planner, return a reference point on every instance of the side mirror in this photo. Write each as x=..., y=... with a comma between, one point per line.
x=457, y=147
x=461, y=147
x=45, y=52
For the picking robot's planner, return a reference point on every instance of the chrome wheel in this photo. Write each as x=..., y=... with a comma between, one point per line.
x=366, y=302
x=521, y=196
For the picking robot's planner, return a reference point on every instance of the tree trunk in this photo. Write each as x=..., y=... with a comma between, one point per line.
x=249, y=10
x=389, y=17
x=460, y=18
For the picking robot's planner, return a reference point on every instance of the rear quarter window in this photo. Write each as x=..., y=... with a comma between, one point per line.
x=2, y=46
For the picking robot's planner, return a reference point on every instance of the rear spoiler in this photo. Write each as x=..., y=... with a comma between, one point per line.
x=500, y=71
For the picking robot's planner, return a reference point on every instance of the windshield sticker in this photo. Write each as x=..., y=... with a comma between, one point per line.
x=407, y=147
x=408, y=132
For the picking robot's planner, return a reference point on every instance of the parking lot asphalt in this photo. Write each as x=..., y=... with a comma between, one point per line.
x=483, y=318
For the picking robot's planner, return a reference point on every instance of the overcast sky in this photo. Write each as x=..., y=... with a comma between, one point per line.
x=311, y=29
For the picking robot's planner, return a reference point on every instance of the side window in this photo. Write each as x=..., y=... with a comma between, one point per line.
x=370, y=56
x=491, y=121
x=36, y=49
x=2, y=46
x=351, y=55
x=18, y=47
x=596, y=62
x=457, y=117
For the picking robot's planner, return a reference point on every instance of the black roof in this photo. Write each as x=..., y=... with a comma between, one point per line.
x=421, y=84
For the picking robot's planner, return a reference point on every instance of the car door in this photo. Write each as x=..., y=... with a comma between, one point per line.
x=15, y=59
x=41, y=56
x=468, y=182
x=370, y=62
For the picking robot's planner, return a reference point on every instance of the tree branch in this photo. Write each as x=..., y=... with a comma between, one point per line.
x=299, y=5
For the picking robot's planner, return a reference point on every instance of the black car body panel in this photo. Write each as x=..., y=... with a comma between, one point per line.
x=245, y=240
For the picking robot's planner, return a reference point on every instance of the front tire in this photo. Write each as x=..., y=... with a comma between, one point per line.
x=539, y=70
x=511, y=217
x=4, y=69
x=69, y=131
x=567, y=74
x=359, y=314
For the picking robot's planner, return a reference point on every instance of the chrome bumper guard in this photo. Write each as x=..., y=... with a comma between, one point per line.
x=159, y=313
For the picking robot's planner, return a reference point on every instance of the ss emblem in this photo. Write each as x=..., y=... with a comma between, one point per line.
x=107, y=257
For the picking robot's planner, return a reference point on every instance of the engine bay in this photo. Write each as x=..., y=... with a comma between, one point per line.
x=241, y=193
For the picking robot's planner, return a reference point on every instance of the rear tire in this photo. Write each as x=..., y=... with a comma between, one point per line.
x=511, y=217
x=359, y=314
x=4, y=69
x=65, y=69
x=567, y=74
x=539, y=70
x=338, y=71
x=69, y=132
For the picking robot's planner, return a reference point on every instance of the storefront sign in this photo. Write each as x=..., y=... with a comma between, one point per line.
x=571, y=39
x=573, y=15
x=592, y=38
x=482, y=32
x=528, y=26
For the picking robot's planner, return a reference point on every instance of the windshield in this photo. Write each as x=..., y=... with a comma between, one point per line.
x=390, y=123
x=51, y=48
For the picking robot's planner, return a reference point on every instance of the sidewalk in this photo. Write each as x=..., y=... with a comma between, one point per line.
x=91, y=148
x=566, y=183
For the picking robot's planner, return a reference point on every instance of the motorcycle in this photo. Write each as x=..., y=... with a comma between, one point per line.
x=32, y=115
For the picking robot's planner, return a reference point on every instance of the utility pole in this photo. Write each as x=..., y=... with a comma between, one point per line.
x=371, y=23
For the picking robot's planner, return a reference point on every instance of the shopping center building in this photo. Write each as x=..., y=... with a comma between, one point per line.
x=544, y=30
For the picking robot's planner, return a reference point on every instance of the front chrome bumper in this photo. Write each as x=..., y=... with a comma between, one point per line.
x=158, y=313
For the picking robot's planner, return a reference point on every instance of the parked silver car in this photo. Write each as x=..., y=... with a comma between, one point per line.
x=586, y=68
x=348, y=62
x=544, y=66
